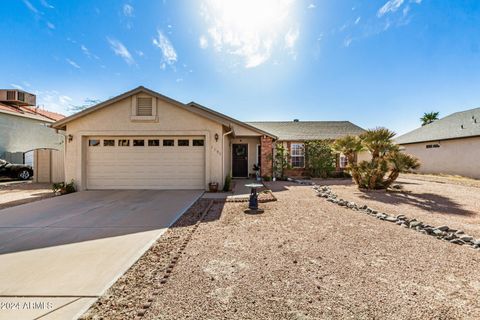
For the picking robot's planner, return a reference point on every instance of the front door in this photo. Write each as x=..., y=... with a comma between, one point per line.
x=240, y=160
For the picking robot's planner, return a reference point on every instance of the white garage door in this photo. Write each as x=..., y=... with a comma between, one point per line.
x=145, y=163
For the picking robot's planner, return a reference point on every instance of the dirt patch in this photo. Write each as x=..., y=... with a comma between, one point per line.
x=20, y=193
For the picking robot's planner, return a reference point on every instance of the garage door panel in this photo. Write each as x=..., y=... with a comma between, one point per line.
x=159, y=167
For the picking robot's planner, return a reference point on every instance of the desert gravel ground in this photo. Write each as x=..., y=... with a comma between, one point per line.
x=430, y=199
x=306, y=258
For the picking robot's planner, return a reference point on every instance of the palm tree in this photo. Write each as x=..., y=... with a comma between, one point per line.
x=429, y=117
x=349, y=146
x=387, y=160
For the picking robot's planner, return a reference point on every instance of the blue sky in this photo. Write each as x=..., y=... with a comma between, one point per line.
x=375, y=63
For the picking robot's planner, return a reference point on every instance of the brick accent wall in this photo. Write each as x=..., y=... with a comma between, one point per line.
x=266, y=146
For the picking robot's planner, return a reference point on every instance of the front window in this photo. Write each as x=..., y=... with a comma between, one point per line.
x=123, y=143
x=138, y=143
x=183, y=142
x=108, y=143
x=93, y=142
x=298, y=155
x=153, y=142
x=168, y=143
x=343, y=161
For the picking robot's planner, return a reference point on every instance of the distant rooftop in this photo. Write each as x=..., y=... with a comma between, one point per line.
x=461, y=124
x=308, y=130
x=31, y=112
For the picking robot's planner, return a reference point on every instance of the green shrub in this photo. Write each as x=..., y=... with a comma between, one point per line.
x=228, y=182
x=319, y=158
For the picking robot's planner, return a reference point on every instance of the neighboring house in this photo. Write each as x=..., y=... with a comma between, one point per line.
x=294, y=134
x=450, y=145
x=144, y=140
x=25, y=136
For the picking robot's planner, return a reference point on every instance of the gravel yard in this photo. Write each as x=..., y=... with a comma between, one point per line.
x=14, y=194
x=304, y=258
x=433, y=200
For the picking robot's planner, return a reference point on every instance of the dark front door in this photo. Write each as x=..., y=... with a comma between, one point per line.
x=240, y=160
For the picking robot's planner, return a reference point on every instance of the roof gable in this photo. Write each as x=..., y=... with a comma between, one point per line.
x=191, y=107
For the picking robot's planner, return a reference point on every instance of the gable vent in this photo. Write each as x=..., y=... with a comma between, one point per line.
x=144, y=107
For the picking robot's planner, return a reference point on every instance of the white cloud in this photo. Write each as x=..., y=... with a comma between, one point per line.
x=50, y=25
x=357, y=20
x=16, y=86
x=139, y=53
x=249, y=29
x=64, y=99
x=53, y=100
x=87, y=52
x=121, y=51
x=128, y=10
x=203, y=41
x=72, y=63
x=311, y=6
x=30, y=6
x=389, y=6
x=347, y=42
x=291, y=38
x=169, y=55
x=46, y=4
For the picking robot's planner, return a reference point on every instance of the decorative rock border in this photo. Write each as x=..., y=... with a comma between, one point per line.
x=156, y=290
x=444, y=232
x=263, y=197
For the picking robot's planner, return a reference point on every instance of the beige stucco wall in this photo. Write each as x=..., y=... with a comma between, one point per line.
x=48, y=165
x=363, y=156
x=457, y=157
x=114, y=120
x=252, y=150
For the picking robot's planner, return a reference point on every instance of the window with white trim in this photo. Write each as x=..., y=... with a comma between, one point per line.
x=343, y=161
x=297, y=155
x=144, y=106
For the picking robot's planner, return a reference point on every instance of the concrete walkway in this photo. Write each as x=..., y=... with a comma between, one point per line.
x=239, y=191
x=58, y=255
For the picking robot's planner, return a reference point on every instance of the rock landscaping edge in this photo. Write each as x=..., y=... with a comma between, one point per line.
x=443, y=232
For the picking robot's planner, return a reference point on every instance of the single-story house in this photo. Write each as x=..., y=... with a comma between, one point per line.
x=450, y=145
x=26, y=136
x=142, y=139
x=293, y=135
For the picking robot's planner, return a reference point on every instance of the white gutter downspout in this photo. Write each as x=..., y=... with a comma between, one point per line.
x=223, y=152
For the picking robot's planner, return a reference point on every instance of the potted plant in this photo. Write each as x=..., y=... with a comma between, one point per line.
x=213, y=186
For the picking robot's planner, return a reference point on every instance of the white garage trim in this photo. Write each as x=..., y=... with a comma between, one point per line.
x=82, y=148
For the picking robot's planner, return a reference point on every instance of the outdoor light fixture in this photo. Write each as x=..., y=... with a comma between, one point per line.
x=70, y=138
x=216, y=136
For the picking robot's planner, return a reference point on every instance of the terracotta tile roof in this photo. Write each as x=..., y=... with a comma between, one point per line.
x=31, y=111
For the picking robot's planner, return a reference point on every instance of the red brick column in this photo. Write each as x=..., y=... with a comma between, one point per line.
x=266, y=146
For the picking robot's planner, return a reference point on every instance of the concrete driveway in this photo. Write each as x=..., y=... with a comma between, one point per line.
x=58, y=255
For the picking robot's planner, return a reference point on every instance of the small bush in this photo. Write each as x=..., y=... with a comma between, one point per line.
x=228, y=182
x=339, y=175
x=64, y=188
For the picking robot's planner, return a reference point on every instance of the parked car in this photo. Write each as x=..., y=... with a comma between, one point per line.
x=15, y=171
